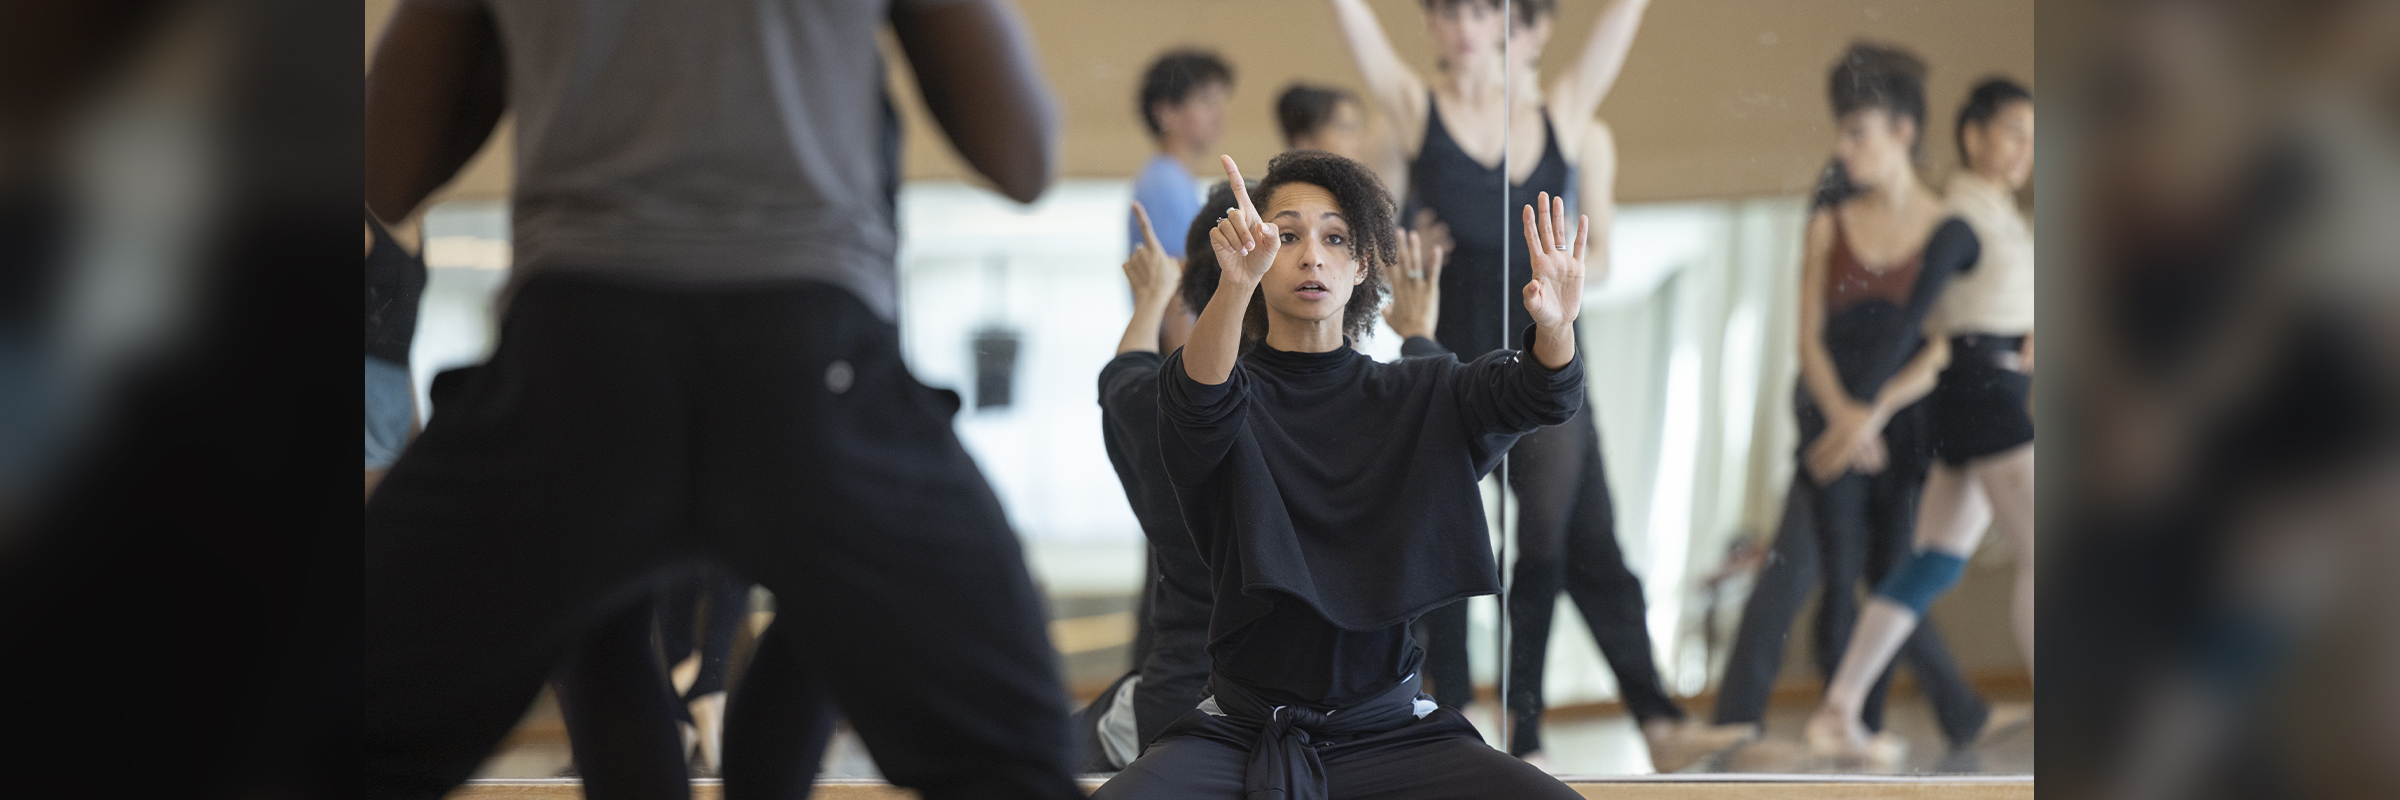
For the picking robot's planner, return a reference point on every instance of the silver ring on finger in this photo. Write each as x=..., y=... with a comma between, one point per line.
x=1562, y=247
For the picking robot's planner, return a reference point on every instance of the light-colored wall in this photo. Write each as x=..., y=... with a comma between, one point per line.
x=1718, y=99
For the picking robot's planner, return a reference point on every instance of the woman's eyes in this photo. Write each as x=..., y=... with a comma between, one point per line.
x=1330, y=238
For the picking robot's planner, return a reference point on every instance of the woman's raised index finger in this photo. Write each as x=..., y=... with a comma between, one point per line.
x=1241, y=191
x=1148, y=236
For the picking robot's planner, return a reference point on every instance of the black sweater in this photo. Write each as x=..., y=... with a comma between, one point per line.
x=1334, y=499
x=1176, y=671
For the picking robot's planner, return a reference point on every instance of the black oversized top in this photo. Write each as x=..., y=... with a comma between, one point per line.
x=1334, y=499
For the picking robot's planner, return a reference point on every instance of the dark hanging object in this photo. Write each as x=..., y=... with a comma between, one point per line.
x=995, y=367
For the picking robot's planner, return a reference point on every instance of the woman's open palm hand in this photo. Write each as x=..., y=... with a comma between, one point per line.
x=1555, y=295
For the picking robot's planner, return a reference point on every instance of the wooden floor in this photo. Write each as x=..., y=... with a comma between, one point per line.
x=1668, y=787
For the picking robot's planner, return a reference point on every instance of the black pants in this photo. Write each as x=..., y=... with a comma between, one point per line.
x=622, y=428
x=1567, y=538
x=620, y=711
x=1824, y=540
x=700, y=614
x=1443, y=634
x=1176, y=665
x=1436, y=758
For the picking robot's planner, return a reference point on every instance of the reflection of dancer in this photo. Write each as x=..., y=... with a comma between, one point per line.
x=1326, y=118
x=1182, y=103
x=699, y=361
x=1453, y=129
x=1862, y=535
x=1981, y=428
x=1335, y=499
x=1876, y=260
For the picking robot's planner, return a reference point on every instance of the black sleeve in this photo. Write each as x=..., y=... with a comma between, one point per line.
x=1508, y=392
x=1129, y=419
x=1128, y=380
x=1197, y=423
x=1419, y=346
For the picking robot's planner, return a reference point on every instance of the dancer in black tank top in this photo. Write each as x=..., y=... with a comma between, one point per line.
x=1468, y=115
x=1466, y=195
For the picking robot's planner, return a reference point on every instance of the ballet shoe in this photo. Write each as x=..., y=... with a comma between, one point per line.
x=1677, y=744
x=2004, y=717
x=1767, y=755
x=1841, y=743
x=691, y=739
x=708, y=715
x=684, y=674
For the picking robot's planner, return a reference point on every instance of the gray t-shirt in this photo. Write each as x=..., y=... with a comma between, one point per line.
x=704, y=141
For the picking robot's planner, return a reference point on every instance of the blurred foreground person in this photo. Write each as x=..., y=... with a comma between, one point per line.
x=698, y=361
x=2219, y=614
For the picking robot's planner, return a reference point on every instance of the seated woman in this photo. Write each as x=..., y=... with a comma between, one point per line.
x=1334, y=499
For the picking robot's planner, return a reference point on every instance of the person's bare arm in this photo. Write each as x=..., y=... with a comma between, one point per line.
x=1816, y=362
x=1154, y=276
x=434, y=95
x=975, y=68
x=1913, y=382
x=1596, y=185
x=1416, y=308
x=1245, y=247
x=1578, y=92
x=1846, y=419
x=1396, y=88
x=1860, y=446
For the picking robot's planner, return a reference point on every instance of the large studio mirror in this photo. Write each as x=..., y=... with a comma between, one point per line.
x=1684, y=625
x=1682, y=579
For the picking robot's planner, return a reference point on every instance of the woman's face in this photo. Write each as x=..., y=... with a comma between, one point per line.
x=1464, y=32
x=1525, y=44
x=1314, y=272
x=1343, y=134
x=2002, y=147
x=1873, y=146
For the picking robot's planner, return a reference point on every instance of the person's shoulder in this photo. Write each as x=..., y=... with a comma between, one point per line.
x=1164, y=169
x=1135, y=364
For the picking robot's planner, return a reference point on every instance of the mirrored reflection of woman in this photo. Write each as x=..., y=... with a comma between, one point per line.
x=1454, y=126
x=1334, y=498
x=1977, y=417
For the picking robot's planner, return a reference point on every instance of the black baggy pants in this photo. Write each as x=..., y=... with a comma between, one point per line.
x=1567, y=539
x=621, y=429
x=1438, y=757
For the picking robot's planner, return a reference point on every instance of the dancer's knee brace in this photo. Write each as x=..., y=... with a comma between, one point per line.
x=1920, y=579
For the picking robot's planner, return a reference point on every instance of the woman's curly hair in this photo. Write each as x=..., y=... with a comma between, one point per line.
x=1366, y=207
